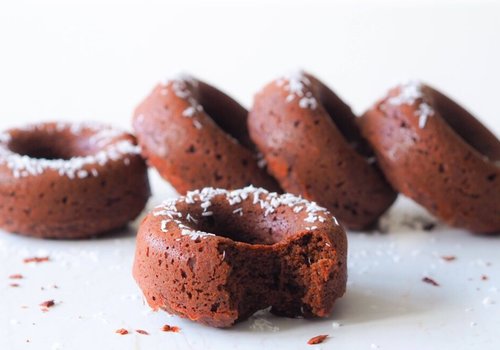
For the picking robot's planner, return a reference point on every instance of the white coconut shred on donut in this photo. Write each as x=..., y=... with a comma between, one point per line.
x=409, y=93
x=75, y=167
x=268, y=201
x=296, y=84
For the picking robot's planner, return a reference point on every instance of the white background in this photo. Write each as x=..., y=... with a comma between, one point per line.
x=96, y=60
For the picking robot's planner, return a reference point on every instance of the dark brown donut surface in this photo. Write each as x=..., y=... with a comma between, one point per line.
x=196, y=136
x=217, y=256
x=435, y=152
x=62, y=180
x=313, y=148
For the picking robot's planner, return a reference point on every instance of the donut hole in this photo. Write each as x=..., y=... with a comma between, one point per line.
x=228, y=114
x=344, y=120
x=224, y=226
x=466, y=126
x=47, y=145
x=249, y=228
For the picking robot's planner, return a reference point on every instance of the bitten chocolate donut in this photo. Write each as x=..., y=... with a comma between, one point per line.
x=196, y=136
x=313, y=147
x=62, y=180
x=217, y=256
x=437, y=153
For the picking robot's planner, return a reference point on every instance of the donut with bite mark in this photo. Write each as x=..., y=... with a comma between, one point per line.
x=216, y=256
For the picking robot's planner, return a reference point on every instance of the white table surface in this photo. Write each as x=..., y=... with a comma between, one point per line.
x=96, y=60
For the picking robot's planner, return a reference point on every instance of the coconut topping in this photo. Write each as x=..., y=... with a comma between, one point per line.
x=268, y=201
x=181, y=88
x=409, y=94
x=297, y=85
x=76, y=167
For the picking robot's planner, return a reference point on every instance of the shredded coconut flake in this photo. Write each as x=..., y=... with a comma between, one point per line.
x=190, y=218
x=410, y=93
x=297, y=85
x=261, y=324
x=197, y=124
x=261, y=161
x=195, y=234
x=269, y=202
x=424, y=111
x=75, y=167
x=181, y=86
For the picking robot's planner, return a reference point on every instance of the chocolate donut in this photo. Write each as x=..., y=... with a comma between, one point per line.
x=217, y=256
x=313, y=147
x=62, y=180
x=196, y=136
x=435, y=152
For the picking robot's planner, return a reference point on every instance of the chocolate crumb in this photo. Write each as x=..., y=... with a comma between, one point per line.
x=14, y=285
x=449, y=257
x=16, y=276
x=47, y=304
x=36, y=259
x=168, y=328
x=430, y=281
x=317, y=339
x=484, y=278
x=142, y=331
x=121, y=331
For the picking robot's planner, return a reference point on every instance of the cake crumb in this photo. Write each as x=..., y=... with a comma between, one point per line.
x=449, y=257
x=36, y=259
x=484, y=278
x=317, y=339
x=169, y=328
x=142, y=331
x=16, y=276
x=46, y=305
x=430, y=281
x=14, y=285
x=121, y=331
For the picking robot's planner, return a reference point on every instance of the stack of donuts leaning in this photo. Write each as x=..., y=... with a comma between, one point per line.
x=264, y=194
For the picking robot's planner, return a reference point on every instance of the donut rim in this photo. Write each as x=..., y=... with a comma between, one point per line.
x=111, y=145
x=269, y=202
